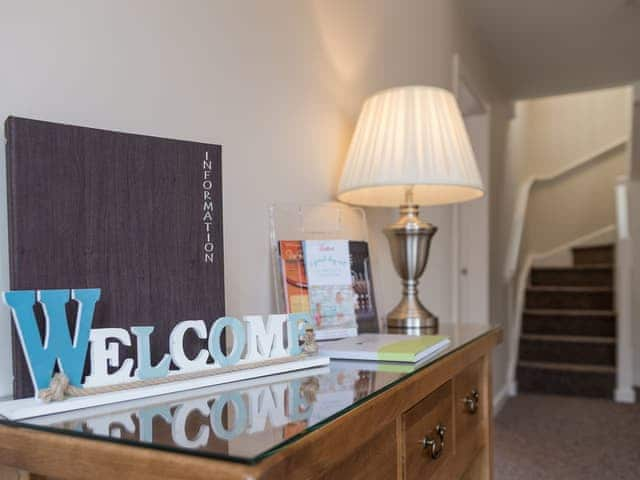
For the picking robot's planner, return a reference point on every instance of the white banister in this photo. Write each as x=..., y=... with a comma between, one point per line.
x=522, y=200
x=625, y=391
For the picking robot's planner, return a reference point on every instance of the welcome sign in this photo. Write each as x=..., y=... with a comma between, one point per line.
x=257, y=347
x=139, y=216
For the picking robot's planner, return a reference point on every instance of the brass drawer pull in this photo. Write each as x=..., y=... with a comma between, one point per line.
x=471, y=401
x=435, y=446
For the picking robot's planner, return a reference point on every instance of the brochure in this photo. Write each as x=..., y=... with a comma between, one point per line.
x=318, y=281
x=331, y=295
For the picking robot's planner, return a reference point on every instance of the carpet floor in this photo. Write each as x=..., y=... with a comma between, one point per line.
x=542, y=437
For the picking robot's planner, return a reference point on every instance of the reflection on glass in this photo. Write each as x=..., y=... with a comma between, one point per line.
x=244, y=421
x=226, y=420
x=218, y=420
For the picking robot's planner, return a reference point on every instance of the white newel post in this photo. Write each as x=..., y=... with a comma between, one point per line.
x=624, y=271
x=633, y=196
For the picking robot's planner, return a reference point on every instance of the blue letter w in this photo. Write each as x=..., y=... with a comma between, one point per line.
x=59, y=346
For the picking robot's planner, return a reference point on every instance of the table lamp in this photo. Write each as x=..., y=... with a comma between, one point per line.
x=410, y=148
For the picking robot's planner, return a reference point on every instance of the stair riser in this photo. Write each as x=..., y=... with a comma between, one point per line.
x=567, y=352
x=593, y=256
x=569, y=300
x=585, y=384
x=572, y=278
x=594, y=326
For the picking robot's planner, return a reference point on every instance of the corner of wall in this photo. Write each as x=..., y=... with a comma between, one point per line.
x=636, y=92
x=501, y=397
x=6, y=377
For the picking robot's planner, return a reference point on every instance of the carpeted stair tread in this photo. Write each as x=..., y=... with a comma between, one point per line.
x=569, y=367
x=600, y=323
x=569, y=297
x=586, y=275
x=567, y=349
x=593, y=254
x=568, y=338
x=569, y=289
x=568, y=312
x=594, y=246
x=587, y=382
x=581, y=268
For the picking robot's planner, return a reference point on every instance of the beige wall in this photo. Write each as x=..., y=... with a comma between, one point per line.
x=564, y=258
x=279, y=83
x=551, y=133
x=574, y=205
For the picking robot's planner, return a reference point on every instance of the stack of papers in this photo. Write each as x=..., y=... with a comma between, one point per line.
x=385, y=347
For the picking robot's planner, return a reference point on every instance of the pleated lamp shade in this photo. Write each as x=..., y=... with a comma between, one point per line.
x=410, y=137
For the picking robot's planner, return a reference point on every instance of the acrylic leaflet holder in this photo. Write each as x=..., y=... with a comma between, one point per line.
x=322, y=265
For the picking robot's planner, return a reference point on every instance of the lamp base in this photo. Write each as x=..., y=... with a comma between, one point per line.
x=410, y=314
x=409, y=241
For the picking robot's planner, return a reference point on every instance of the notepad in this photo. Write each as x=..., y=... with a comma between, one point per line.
x=385, y=347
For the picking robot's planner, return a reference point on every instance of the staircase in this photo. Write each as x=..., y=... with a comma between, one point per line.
x=568, y=339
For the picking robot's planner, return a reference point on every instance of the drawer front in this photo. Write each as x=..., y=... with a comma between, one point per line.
x=374, y=459
x=427, y=447
x=470, y=400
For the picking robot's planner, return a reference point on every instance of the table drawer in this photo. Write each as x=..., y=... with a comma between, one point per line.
x=427, y=435
x=470, y=407
x=375, y=459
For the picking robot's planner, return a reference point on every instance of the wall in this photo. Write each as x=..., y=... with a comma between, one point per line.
x=574, y=205
x=549, y=133
x=564, y=258
x=278, y=83
x=558, y=131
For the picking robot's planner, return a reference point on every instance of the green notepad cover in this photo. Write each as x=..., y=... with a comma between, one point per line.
x=395, y=367
x=406, y=350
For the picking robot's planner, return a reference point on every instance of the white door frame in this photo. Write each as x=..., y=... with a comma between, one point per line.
x=463, y=85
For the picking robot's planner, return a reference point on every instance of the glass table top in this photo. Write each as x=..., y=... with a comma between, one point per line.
x=249, y=420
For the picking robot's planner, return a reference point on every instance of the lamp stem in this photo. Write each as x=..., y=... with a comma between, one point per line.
x=408, y=196
x=410, y=287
